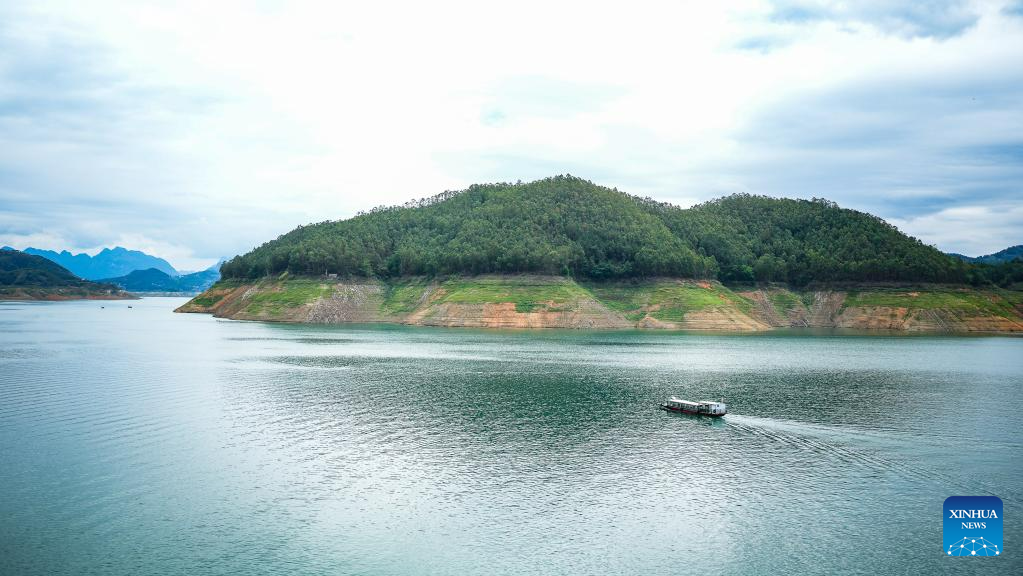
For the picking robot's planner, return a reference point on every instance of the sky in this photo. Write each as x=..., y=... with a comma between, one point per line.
x=195, y=130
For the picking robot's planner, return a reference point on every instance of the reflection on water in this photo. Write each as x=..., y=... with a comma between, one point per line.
x=140, y=441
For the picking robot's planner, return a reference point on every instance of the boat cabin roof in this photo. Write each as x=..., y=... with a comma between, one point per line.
x=675, y=400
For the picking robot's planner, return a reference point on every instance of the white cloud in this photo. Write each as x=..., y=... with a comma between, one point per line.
x=959, y=230
x=202, y=129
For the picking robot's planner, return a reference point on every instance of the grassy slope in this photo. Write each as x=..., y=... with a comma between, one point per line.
x=784, y=300
x=403, y=296
x=290, y=293
x=215, y=293
x=992, y=302
x=667, y=300
x=528, y=293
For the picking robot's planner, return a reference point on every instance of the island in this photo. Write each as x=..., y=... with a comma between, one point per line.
x=563, y=252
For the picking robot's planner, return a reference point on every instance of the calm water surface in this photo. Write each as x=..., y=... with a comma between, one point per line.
x=137, y=441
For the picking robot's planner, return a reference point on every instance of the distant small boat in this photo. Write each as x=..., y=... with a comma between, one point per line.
x=702, y=408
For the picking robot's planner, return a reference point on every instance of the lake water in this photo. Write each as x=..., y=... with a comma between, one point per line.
x=137, y=441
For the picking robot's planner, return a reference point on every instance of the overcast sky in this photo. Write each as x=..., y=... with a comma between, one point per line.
x=193, y=130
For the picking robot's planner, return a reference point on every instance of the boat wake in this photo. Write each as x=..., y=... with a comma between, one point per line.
x=861, y=448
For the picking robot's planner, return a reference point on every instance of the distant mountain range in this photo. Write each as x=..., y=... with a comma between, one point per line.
x=109, y=263
x=1008, y=255
x=153, y=280
x=129, y=270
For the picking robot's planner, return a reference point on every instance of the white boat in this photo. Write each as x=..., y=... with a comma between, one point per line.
x=702, y=407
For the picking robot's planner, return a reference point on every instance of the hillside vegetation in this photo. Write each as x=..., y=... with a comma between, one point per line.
x=571, y=227
x=26, y=276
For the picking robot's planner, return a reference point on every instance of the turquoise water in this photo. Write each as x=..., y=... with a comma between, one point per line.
x=137, y=441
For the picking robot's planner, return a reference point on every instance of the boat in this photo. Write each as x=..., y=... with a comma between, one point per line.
x=702, y=407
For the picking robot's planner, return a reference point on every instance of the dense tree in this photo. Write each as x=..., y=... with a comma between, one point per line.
x=560, y=225
x=1006, y=274
x=803, y=241
x=566, y=225
x=18, y=269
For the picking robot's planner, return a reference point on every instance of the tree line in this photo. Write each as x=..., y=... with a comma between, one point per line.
x=569, y=226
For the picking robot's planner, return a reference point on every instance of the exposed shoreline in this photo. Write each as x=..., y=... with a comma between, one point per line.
x=533, y=301
x=21, y=296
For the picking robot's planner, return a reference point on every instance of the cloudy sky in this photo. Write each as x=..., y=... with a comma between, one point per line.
x=194, y=130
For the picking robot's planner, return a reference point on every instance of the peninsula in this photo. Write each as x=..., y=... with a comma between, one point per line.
x=30, y=277
x=565, y=253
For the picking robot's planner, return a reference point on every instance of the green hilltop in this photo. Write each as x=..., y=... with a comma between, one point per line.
x=568, y=226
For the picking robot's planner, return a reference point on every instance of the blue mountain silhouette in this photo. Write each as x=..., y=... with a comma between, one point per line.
x=109, y=263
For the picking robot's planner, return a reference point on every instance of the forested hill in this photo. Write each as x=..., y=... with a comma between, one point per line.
x=20, y=269
x=29, y=276
x=1002, y=256
x=804, y=241
x=569, y=226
